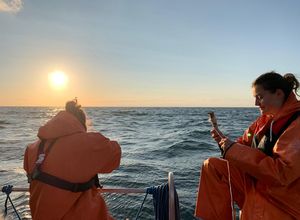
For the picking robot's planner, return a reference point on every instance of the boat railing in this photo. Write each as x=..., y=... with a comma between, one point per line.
x=171, y=196
x=124, y=191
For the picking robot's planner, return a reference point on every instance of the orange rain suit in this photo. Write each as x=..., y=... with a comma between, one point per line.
x=264, y=187
x=76, y=157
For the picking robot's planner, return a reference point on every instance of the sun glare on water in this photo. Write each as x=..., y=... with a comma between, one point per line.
x=58, y=79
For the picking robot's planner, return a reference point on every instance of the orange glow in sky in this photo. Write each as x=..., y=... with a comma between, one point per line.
x=201, y=54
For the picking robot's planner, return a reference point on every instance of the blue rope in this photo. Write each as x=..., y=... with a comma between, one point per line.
x=149, y=190
x=7, y=190
x=161, y=202
x=138, y=214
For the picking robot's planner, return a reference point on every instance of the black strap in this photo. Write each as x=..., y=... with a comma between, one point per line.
x=288, y=123
x=38, y=174
x=266, y=144
x=63, y=184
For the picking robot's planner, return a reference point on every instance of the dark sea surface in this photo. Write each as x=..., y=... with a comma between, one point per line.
x=154, y=141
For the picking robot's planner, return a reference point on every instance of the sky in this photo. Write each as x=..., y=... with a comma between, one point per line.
x=192, y=53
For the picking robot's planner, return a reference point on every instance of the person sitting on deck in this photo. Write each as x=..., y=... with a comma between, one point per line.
x=260, y=172
x=62, y=167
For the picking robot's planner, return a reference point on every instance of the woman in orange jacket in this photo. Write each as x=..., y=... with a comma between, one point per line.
x=62, y=168
x=260, y=172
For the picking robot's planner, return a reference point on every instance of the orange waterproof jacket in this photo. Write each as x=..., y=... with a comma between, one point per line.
x=277, y=178
x=76, y=157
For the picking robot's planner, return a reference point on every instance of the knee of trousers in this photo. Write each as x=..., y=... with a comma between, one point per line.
x=213, y=164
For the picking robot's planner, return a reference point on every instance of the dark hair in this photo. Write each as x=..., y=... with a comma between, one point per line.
x=75, y=109
x=271, y=81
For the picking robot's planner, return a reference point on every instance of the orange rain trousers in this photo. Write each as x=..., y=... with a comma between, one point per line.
x=214, y=201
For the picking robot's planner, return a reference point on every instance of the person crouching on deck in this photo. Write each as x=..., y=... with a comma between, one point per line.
x=264, y=164
x=62, y=167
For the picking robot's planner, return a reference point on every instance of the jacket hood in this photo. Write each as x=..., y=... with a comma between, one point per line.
x=290, y=106
x=63, y=124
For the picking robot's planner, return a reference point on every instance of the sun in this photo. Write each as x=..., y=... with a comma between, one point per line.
x=58, y=79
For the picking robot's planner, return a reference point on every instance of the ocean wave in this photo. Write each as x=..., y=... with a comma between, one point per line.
x=199, y=134
x=181, y=149
x=9, y=142
x=4, y=122
x=186, y=146
x=134, y=113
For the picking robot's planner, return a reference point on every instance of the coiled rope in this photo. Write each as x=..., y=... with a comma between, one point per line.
x=7, y=190
x=161, y=202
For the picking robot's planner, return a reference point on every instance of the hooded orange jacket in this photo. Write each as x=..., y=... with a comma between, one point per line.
x=76, y=157
x=277, y=178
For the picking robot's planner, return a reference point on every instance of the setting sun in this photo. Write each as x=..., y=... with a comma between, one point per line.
x=58, y=79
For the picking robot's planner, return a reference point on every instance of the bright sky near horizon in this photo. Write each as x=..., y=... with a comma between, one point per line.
x=143, y=52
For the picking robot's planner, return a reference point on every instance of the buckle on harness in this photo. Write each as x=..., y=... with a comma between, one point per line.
x=40, y=159
x=36, y=172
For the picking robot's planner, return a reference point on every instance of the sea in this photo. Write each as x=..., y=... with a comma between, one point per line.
x=154, y=141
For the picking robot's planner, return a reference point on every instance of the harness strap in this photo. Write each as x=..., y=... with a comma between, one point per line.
x=63, y=184
x=49, y=179
x=287, y=124
x=267, y=142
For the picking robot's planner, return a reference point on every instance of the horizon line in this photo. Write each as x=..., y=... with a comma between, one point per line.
x=53, y=106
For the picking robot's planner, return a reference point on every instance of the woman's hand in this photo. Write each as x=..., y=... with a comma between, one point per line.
x=225, y=143
x=216, y=134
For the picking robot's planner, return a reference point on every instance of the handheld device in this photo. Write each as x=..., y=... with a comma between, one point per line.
x=213, y=119
x=214, y=123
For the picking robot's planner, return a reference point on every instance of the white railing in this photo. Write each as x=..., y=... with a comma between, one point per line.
x=171, y=196
x=131, y=190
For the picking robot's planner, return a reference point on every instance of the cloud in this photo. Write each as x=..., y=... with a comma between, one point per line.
x=13, y=6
